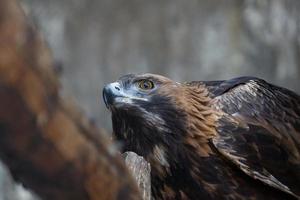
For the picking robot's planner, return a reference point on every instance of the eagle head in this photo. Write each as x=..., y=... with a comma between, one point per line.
x=144, y=116
x=153, y=116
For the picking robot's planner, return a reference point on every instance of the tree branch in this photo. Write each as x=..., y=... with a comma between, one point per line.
x=46, y=143
x=140, y=170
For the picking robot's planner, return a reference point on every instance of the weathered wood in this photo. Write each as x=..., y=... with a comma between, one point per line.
x=140, y=170
x=45, y=142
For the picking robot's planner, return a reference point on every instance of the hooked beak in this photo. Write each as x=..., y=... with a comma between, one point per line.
x=110, y=93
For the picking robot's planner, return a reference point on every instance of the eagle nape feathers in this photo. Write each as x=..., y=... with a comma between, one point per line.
x=231, y=139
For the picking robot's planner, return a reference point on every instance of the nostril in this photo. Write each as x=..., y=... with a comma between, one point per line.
x=117, y=88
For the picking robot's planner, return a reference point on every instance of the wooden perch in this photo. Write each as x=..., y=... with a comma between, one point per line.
x=140, y=170
x=48, y=145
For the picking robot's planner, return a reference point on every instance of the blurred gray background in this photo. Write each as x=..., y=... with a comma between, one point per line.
x=97, y=41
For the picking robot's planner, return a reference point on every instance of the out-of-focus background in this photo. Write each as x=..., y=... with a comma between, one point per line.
x=96, y=41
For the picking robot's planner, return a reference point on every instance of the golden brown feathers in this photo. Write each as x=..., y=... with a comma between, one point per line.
x=235, y=139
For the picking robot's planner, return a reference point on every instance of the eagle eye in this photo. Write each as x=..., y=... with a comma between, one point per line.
x=145, y=84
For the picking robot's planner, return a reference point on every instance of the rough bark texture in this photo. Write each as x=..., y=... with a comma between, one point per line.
x=46, y=144
x=140, y=170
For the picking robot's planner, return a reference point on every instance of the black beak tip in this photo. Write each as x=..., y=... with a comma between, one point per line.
x=110, y=92
x=107, y=96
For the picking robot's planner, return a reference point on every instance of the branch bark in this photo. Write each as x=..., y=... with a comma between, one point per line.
x=140, y=170
x=45, y=142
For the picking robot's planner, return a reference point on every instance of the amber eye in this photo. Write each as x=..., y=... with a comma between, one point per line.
x=145, y=84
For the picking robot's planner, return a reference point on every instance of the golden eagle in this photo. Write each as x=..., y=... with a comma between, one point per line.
x=231, y=139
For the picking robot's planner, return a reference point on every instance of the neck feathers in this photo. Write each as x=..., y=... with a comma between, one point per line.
x=195, y=150
x=201, y=119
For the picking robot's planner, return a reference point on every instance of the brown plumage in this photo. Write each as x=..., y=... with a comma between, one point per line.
x=235, y=139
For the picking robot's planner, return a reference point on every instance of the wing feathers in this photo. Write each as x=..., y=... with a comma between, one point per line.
x=259, y=131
